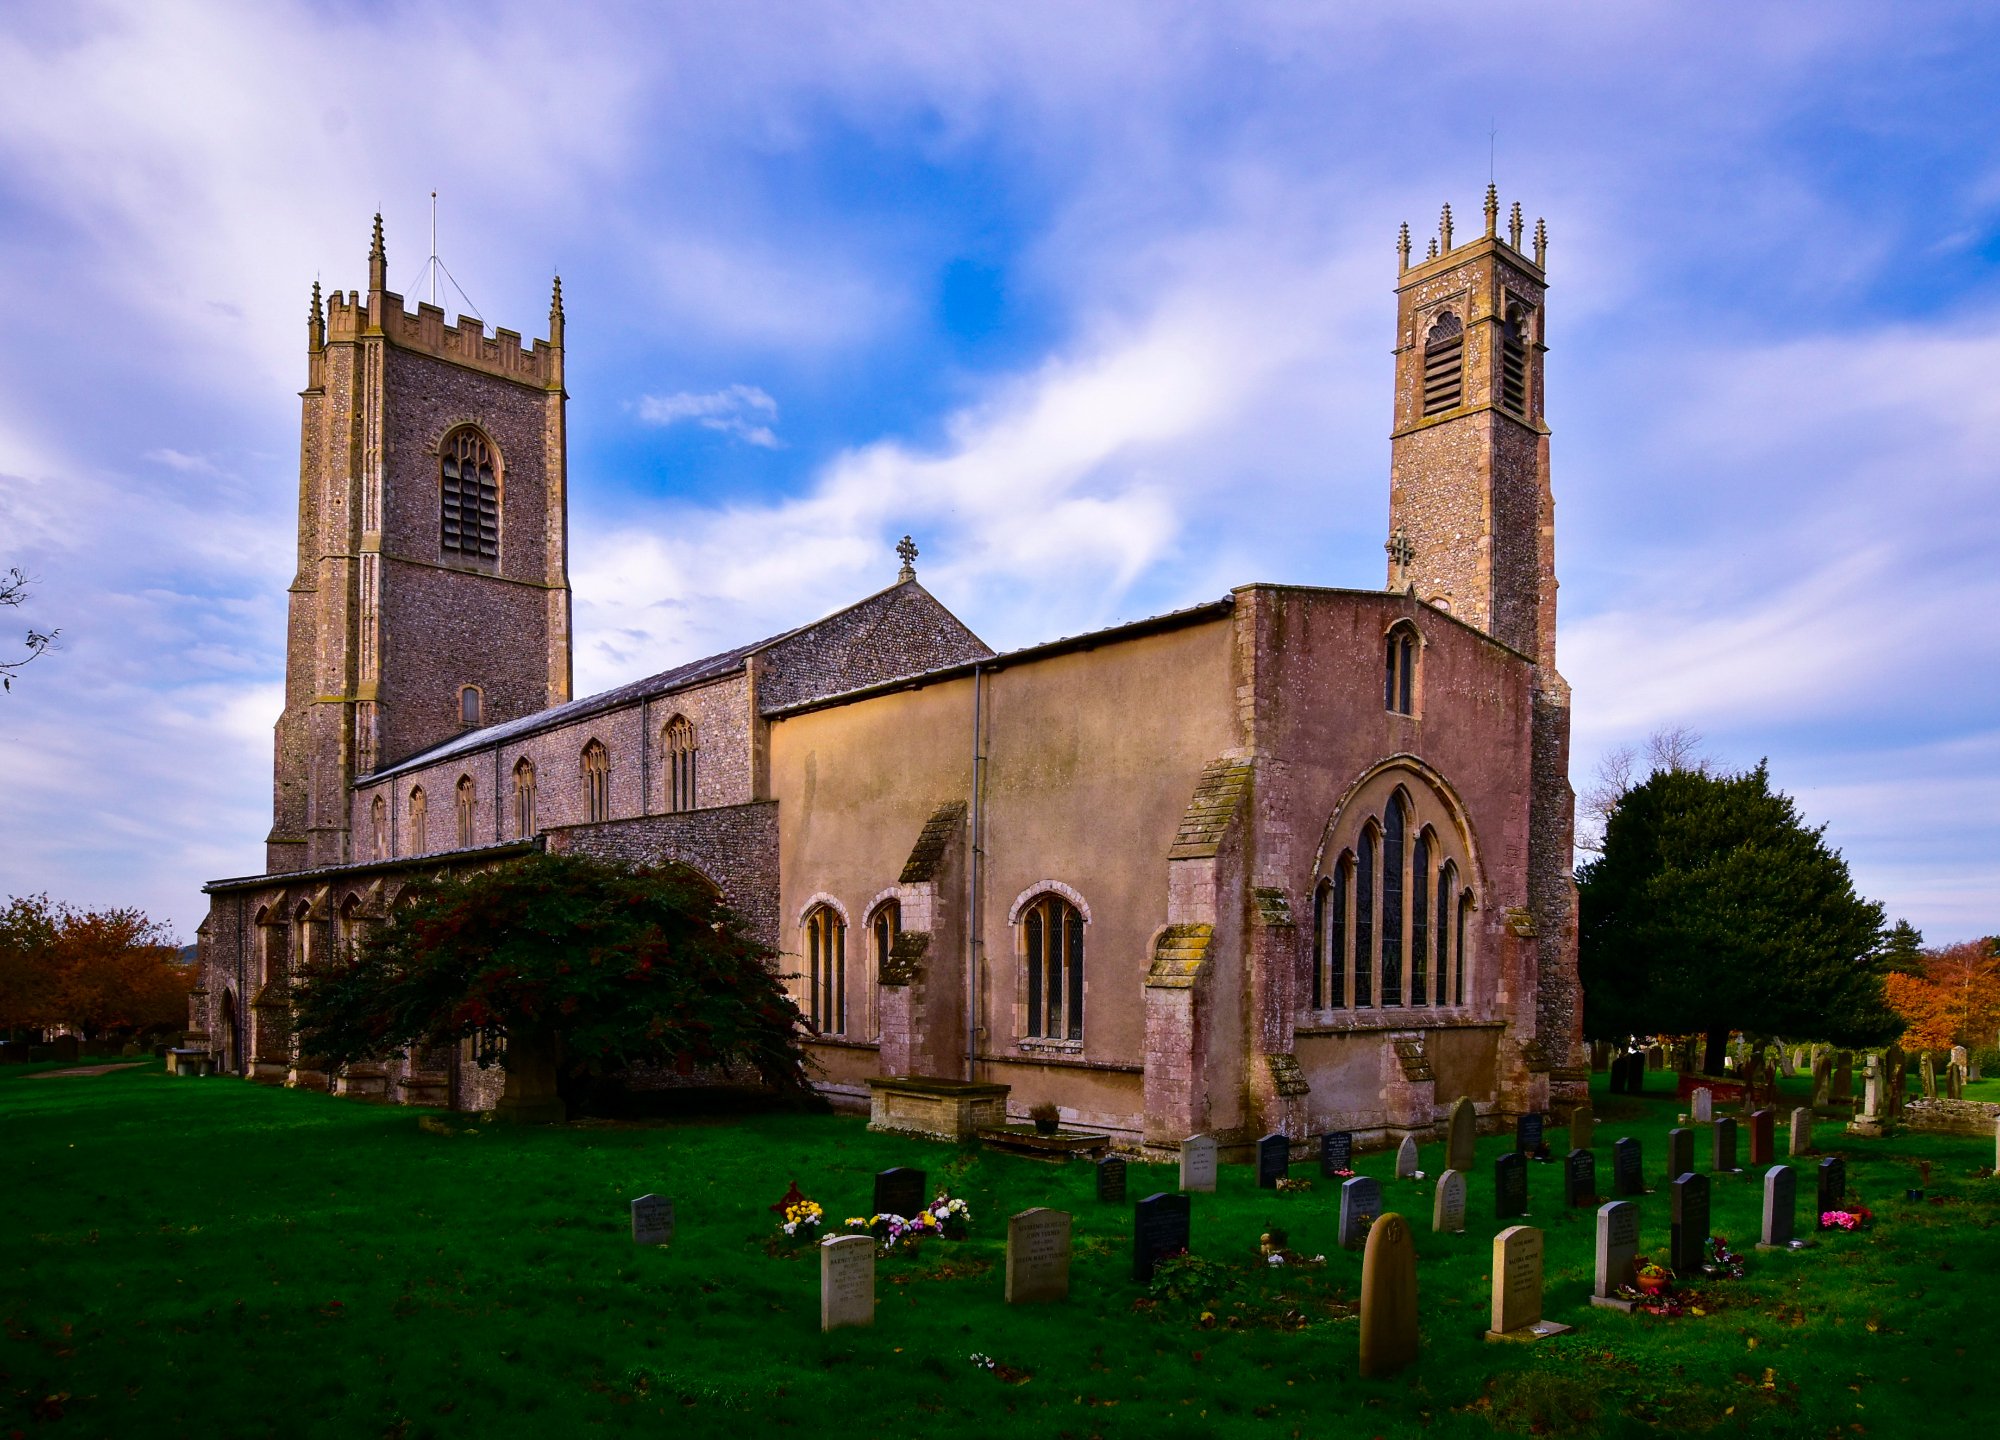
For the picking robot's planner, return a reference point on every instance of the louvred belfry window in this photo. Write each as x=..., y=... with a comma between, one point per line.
x=469, y=498
x=1444, y=365
x=1514, y=363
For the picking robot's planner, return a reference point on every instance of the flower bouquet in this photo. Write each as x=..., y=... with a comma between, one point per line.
x=953, y=1216
x=893, y=1230
x=799, y=1219
x=1723, y=1263
x=1859, y=1218
x=1289, y=1186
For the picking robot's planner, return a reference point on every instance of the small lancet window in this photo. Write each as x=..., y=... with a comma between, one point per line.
x=378, y=824
x=467, y=805
x=1444, y=365
x=596, y=782
x=419, y=821
x=1399, y=671
x=826, y=974
x=524, y=799
x=681, y=750
x=471, y=706
x=468, y=497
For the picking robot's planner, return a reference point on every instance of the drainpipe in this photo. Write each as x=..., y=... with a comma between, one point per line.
x=972, y=886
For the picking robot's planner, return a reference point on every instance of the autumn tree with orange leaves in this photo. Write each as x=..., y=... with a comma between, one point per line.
x=1951, y=997
x=93, y=971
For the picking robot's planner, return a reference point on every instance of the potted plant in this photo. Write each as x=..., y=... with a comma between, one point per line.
x=1047, y=1117
x=1651, y=1278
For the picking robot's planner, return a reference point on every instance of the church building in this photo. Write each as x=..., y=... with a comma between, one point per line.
x=1294, y=859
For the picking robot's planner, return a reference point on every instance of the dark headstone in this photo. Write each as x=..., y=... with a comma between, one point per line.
x=1360, y=1204
x=1616, y=1083
x=1628, y=1168
x=652, y=1220
x=1581, y=1173
x=1832, y=1188
x=1725, y=1146
x=1111, y=1179
x=1274, y=1160
x=1336, y=1152
x=1159, y=1229
x=1635, y=1075
x=1680, y=1153
x=1528, y=1134
x=1763, y=1138
x=1689, y=1246
x=1510, y=1187
x=899, y=1191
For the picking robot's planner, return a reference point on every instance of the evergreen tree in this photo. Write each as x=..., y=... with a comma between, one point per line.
x=1713, y=907
x=1903, y=949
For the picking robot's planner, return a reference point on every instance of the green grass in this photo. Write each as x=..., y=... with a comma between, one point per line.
x=210, y=1258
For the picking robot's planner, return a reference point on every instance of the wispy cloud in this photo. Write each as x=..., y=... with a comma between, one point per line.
x=740, y=410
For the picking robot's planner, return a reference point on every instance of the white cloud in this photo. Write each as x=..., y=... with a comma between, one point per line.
x=740, y=410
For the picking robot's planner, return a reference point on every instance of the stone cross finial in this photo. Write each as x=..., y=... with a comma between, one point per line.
x=907, y=552
x=1401, y=553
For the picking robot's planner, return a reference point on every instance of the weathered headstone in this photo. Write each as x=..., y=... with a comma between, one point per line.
x=1198, y=1162
x=1688, y=1247
x=1336, y=1152
x=1927, y=1072
x=1616, y=1083
x=1462, y=1135
x=1388, y=1297
x=1781, y=1203
x=1274, y=1161
x=1635, y=1074
x=1111, y=1179
x=1528, y=1134
x=1448, y=1210
x=1159, y=1229
x=1897, y=1066
x=1406, y=1158
x=1628, y=1168
x=1617, y=1250
x=847, y=1281
x=1656, y=1058
x=1843, y=1077
x=1871, y=1089
x=1510, y=1186
x=1680, y=1153
x=1802, y=1119
x=1517, y=1287
x=1788, y=1064
x=1725, y=1146
x=1702, y=1105
x=1763, y=1138
x=652, y=1220
x=1832, y=1194
x=1038, y=1256
x=1582, y=1128
x=1822, y=1068
x=899, y=1191
x=1580, y=1179
x=1360, y=1204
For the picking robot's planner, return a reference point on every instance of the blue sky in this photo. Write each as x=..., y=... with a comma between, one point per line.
x=1094, y=299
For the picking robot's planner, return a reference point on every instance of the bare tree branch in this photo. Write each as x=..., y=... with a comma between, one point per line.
x=1674, y=747
x=14, y=592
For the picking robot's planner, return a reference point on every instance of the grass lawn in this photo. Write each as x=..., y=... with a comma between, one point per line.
x=212, y=1258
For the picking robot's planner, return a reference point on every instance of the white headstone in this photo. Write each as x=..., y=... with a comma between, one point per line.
x=1802, y=1119
x=1448, y=1210
x=846, y=1281
x=1704, y=1105
x=1617, y=1246
x=1198, y=1162
x=652, y=1220
x=1406, y=1158
x=1038, y=1256
x=1517, y=1286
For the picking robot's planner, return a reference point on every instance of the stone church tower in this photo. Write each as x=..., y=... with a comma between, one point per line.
x=1472, y=530
x=432, y=591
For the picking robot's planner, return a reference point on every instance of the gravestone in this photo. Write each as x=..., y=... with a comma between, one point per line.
x=899, y=1191
x=1406, y=1158
x=1788, y=1064
x=846, y=1281
x=1038, y=1256
x=1832, y=1189
x=1822, y=1067
x=1725, y=1147
x=1510, y=1186
x=1763, y=1138
x=652, y=1220
x=1617, y=1250
x=1360, y=1203
x=1580, y=1176
x=1528, y=1135
x=1159, y=1229
x=1635, y=1075
x=1198, y=1163
x=1388, y=1298
x=1517, y=1287
x=1111, y=1179
x=1582, y=1128
x=1616, y=1084
x=1781, y=1203
x=1680, y=1153
x=1871, y=1089
x=1897, y=1064
x=1448, y=1210
x=1628, y=1168
x=1274, y=1161
x=1461, y=1135
x=1688, y=1246
x=1702, y=1105
x=1336, y=1152
x=1927, y=1072
x=1802, y=1119
x=1656, y=1058
x=1843, y=1077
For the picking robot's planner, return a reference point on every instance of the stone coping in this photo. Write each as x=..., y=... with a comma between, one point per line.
x=942, y=1089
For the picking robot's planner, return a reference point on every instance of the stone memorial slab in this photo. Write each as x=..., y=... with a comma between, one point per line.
x=1702, y=1105
x=1802, y=1121
x=900, y=1191
x=1111, y=1179
x=1517, y=1287
x=1781, y=1205
x=847, y=1281
x=1688, y=1248
x=1406, y=1158
x=1360, y=1205
x=1617, y=1252
x=1461, y=1134
x=1832, y=1194
x=1528, y=1135
x=1822, y=1068
x=1725, y=1147
x=1198, y=1163
x=1274, y=1161
x=1510, y=1187
x=652, y=1220
x=1680, y=1153
x=1580, y=1179
x=1582, y=1128
x=1628, y=1168
x=1038, y=1256
x=1763, y=1138
x=1448, y=1209
x=1336, y=1152
x=1388, y=1297
x=1159, y=1229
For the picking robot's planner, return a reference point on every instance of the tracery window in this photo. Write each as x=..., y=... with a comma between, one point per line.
x=467, y=807
x=524, y=798
x=419, y=822
x=826, y=970
x=678, y=742
x=1052, y=933
x=1444, y=364
x=596, y=782
x=468, y=497
x=1399, y=670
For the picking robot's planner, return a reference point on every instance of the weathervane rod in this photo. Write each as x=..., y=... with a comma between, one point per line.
x=434, y=247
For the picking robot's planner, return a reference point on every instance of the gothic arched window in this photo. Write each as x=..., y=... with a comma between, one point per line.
x=826, y=970
x=1420, y=919
x=1399, y=669
x=468, y=796
x=596, y=782
x=471, y=706
x=1364, y=919
x=1447, y=887
x=468, y=496
x=1052, y=933
x=678, y=743
x=1444, y=365
x=419, y=821
x=1458, y=949
x=1393, y=822
x=883, y=928
x=524, y=799
x=1322, y=914
x=378, y=826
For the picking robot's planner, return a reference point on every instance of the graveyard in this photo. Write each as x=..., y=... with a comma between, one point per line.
x=178, y=1244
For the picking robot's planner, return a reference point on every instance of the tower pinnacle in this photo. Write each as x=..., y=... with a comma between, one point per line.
x=378, y=260
x=556, y=315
